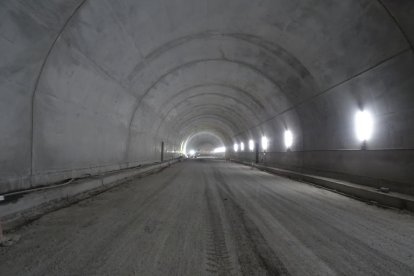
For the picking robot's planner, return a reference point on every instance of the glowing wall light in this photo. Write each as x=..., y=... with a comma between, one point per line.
x=241, y=146
x=288, y=139
x=265, y=143
x=251, y=145
x=236, y=147
x=364, y=125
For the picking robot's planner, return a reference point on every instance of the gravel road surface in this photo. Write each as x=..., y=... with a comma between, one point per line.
x=211, y=217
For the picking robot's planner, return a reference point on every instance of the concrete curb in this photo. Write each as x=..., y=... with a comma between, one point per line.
x=360, y=192
x=31, y=206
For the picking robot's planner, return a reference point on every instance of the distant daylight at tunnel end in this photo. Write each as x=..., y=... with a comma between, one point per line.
x=207, y=137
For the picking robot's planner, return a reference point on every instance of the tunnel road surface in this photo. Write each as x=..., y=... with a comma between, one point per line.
x=209, y=217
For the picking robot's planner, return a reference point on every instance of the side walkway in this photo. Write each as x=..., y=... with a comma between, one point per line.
x=365, y=193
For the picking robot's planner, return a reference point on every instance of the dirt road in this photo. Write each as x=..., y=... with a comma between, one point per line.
x=208, y=217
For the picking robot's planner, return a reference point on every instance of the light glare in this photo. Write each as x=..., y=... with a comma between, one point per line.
x=364, y=125
x=265, y=143
x=236, y=147
x=219, y=150
x=192, y=152
x=251, y=145
x=242, y=146
x=288, y=139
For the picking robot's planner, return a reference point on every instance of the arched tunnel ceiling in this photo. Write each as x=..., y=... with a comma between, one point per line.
x=125, y=75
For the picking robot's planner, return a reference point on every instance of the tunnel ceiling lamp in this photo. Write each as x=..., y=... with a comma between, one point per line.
x=241, y=146
x=288, y=139
x=265, y=143
x=251, y=145
x=236, y=147
x=364, y=125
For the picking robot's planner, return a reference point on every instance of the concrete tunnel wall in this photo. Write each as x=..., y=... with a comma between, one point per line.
x=89, y=86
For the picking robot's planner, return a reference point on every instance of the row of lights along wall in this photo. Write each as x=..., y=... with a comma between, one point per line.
x=265, y=142
x=364, y=126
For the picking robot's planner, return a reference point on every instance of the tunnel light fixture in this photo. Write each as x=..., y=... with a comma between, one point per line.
x=288, y=139
x=364, y=125
x=265, y=143
x=241, y=146
x=251, y=145
x=236, y=147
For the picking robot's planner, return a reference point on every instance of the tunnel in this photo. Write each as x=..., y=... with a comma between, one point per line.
x=318, y=92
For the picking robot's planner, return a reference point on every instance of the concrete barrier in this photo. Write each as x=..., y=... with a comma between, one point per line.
x=25, y=206
x=365, y=193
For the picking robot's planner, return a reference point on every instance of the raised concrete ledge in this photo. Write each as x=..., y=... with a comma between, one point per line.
x=365, y=193
x=24, y=208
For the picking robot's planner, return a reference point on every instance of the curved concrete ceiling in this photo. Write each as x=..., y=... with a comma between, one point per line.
x=97, y=85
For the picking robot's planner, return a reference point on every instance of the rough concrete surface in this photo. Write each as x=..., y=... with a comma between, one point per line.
x=93, y=86
x=238, y=221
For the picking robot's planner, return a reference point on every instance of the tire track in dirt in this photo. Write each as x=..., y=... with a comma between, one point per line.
x=218, y=258
x=254, y=254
